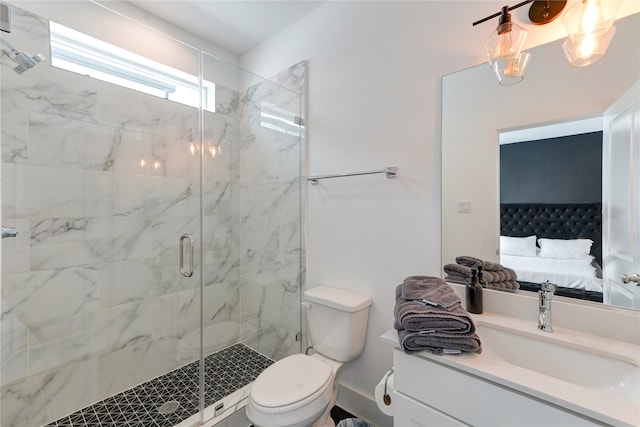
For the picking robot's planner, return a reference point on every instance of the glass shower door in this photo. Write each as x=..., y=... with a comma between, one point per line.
x=100, y=183
x=252, y=227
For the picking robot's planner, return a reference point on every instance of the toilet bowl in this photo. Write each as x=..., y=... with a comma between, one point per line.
x=300, y=390
x=294, y=392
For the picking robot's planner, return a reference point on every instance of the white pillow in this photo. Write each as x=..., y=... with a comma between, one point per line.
x=518, y=246
x=565, y=249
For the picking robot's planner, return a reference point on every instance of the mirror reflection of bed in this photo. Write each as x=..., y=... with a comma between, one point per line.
x=551, y=207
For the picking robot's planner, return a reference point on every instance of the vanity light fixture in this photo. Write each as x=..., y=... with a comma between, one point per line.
x=590, y=30
x=589, y=26
x=504, y=45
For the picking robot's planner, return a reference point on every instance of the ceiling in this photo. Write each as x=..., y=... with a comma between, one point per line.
x=239, y=25
x=236, y=25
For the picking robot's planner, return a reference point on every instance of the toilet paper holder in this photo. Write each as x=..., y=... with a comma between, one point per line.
x=384, y=394
x=385, y=397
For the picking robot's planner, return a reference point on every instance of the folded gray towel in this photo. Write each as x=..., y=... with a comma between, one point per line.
x=501, y=286
x=458, y=270
x=432, y=290
x=506, y=274
x=463, y=280
x=439, y=342
x=470, y=261
x=417, y=315
x=507, y=285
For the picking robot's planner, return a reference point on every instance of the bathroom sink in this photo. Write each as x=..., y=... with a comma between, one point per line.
x=571, y=360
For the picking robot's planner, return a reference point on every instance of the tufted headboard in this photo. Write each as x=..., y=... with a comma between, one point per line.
x=554, y=221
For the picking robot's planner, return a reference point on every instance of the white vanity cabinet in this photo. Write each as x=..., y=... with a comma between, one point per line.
x=430, y=393
x=411, y=413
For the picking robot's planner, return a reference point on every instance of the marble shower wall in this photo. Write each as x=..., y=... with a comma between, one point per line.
x=264, y=246
x=100, y=182
x=268, y=194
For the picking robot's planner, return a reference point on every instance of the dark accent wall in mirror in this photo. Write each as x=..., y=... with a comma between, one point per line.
x=566, y=169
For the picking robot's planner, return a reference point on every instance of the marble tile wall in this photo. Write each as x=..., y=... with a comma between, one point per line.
x=269, y=200
x=100, y=182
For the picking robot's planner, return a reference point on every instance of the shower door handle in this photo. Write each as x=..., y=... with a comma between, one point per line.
x=189, y=272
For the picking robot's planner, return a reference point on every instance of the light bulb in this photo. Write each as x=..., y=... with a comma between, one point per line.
x=511, y=70
x=504, y=48
x=592, y=16
x=193, y=148
x=586, y=47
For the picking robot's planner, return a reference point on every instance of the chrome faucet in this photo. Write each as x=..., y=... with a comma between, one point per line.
x=544, y=307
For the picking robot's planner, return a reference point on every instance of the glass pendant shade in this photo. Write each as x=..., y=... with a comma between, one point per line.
x=590, y=30
x=585, y=50
x=504, y=51
x=510, y=71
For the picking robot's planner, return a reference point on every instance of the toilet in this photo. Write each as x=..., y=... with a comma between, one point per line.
x=300, y=390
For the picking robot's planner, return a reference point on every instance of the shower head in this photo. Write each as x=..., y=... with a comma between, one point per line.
x=23, y=59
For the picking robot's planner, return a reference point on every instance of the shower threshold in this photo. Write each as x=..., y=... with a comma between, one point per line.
x=172, y=399
x=233, y=414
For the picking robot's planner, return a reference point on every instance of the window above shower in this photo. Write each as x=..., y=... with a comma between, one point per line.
x=79, y=53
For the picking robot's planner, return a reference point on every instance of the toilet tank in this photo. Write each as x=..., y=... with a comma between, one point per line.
x=337, y=321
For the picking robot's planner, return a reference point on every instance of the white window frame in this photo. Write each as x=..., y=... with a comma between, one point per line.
x=79, y=53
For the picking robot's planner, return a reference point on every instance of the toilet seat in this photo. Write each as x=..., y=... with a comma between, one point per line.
x=291, y=383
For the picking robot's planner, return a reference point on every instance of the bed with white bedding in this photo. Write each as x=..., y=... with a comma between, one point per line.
x=568, y=273
x=559, y=243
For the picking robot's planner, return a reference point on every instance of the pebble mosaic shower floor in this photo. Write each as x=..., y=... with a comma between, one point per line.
x=142, y=406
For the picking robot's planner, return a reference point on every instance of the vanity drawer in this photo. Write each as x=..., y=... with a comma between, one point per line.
x=411, y=413
x=473, y=400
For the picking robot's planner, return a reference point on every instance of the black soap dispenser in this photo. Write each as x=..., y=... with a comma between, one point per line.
x=474, y=294
x=483, y=283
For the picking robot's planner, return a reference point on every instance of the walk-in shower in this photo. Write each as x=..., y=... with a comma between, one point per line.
x=99, y=183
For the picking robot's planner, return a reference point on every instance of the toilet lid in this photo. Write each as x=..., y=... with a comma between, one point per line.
x=290, y=380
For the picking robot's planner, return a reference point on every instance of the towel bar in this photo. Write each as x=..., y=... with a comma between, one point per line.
x=390, y=172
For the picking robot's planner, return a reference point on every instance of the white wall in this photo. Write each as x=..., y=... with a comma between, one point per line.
x=374, y=100
x=374, y=89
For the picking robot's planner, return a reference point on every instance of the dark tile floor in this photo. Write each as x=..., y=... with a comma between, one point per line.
x=173, y=397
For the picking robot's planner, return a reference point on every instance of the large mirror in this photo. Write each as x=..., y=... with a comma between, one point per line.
x=477, y=112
